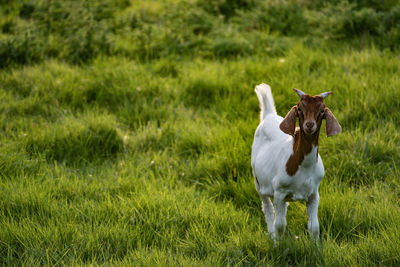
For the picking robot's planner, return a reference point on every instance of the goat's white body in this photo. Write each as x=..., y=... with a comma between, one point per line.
x=271, y=150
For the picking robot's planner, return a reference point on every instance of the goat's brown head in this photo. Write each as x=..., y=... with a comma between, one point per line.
x=310, y=110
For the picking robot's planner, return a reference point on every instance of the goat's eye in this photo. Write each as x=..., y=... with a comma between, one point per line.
x=298, y=109
x=322, y=112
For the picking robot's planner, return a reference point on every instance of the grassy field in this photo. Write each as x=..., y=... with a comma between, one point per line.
x=126, y=130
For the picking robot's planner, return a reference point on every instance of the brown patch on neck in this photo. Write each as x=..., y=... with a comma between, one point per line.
x=302, y=146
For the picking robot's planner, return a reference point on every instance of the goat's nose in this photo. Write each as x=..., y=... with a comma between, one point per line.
x=310, y=124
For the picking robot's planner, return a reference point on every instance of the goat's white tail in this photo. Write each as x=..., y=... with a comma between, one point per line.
x=267, y=104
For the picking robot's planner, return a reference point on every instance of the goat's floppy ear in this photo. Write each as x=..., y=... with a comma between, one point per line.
x=288, y=125
x=332, y=125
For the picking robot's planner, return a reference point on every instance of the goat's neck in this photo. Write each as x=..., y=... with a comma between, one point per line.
x=303, y=145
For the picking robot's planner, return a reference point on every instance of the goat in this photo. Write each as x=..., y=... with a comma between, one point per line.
x=285, y=160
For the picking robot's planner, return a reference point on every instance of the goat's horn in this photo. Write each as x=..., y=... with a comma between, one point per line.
x=325, y=95
x=299, y=92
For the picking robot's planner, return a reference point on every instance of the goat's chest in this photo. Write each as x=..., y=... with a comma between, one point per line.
x=304, y=183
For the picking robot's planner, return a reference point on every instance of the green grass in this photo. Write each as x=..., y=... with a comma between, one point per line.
x=138, y=153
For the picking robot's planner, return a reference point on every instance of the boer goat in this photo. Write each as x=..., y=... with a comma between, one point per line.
x=285, y=159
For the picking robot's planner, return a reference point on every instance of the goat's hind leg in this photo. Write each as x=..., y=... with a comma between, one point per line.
x=269, y=213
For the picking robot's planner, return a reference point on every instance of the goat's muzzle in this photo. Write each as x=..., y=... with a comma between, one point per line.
x=309, y=127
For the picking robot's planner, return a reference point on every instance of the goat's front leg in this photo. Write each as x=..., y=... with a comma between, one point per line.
x=280, y=213
x=312, y=212
x=269, y=213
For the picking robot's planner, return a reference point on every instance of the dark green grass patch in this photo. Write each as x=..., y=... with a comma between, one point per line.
x=76, y=142
x=204, y=93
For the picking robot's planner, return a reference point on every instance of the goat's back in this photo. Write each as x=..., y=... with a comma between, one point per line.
x=271, y=149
